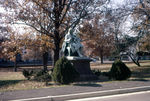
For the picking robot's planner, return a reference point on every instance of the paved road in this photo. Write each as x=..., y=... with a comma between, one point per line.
x=76, y=91
x=136, y=96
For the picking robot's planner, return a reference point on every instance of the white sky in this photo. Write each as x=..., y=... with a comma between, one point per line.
x=114, y=2
x=2, y=10
x=117, y=1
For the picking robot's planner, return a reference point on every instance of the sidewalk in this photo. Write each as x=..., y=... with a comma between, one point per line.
x=76, y=91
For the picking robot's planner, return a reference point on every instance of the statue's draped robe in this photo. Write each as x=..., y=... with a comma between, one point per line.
x=72, y=43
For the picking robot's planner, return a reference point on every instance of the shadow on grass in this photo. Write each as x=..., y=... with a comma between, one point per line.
x=144, y=80
x=88, y=84
x=141, y=73
x=20, y=69
x=8, y=82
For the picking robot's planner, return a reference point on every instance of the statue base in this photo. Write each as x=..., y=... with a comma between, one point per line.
x=82, y=65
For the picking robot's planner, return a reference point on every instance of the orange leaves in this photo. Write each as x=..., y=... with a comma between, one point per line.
x=14, y=43
x=97, y=37
x=26, y=40
x=145, y=43
x=11, y=47
x=45, y=42
x=37, y=46
x=141, y=15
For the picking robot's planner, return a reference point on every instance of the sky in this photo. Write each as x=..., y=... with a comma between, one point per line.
x=2, y=10
x=115, y=2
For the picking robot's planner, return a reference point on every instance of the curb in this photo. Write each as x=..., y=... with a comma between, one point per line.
x=89, y=94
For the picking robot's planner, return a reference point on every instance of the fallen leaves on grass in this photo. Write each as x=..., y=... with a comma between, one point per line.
x=23, y=85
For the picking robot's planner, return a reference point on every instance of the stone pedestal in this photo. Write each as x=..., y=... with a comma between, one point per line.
x=82, y=64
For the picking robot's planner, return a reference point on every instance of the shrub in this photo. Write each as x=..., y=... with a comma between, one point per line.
x=27, y=74
x=105, y=74
x=64, y=72
x=41, y=75
x=119, y=71
x=98, y=73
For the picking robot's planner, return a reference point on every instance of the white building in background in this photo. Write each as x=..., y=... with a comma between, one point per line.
x=133, y=50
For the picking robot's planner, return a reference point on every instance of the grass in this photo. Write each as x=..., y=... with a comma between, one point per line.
x=10, y=81
x=138, y=72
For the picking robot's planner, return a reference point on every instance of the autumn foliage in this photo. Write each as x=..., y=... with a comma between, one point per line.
x=97, y=37
x=141, y=15
x=50, y=17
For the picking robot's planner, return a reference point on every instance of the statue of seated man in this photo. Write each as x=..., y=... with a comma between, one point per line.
x=72, y=44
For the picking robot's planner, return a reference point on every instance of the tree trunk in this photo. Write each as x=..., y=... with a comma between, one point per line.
x=57, y=13
x=34, y=61
x=102, y=59
x=56, y=53
x=136, y=62
x=45, y=58
x=101, y=53
x=15, y=63
x=57, y=37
